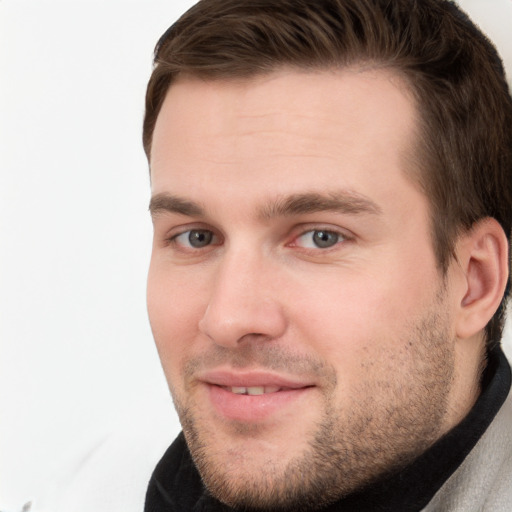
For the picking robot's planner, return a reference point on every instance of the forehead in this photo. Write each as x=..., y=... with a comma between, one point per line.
x=352, y=127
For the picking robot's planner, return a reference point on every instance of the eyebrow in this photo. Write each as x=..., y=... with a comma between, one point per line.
x=161, y=203
x=345, y=202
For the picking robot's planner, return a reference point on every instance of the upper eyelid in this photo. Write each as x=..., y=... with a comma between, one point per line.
x=185, y=247
x=182, y=232
x=326, y=230
x=183, y=228
x=342, y=235
x=307, y=228
x=294, y=233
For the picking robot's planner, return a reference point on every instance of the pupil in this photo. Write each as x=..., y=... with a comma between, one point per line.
x=325, y=238
x=200, y=238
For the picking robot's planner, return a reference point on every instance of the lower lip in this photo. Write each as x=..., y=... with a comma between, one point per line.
x=252, y=408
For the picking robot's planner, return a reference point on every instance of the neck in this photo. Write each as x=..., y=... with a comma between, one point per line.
x=470, y=361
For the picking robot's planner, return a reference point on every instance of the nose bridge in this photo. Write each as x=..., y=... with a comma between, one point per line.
x=242, y=300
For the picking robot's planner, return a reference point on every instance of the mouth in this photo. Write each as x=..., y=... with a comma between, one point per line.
x=253, y=390
x=254, y=397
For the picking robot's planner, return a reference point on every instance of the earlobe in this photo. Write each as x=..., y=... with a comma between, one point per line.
x=483, y=256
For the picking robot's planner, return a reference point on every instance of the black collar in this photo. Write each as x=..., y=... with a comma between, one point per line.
x=177, y=487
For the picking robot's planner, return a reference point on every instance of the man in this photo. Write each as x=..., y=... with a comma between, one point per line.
x=331, y=198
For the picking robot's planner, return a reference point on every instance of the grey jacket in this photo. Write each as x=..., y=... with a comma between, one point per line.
x=483, y=482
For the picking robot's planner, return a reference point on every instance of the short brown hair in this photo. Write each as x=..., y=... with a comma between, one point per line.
x=464, y=157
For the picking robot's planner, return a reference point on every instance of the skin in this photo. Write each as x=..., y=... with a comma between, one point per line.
x=366, y=321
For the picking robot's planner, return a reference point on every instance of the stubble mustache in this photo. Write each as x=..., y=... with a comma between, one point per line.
x=262, y=356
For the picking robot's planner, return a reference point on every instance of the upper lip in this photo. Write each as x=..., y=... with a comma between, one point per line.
x=230, y=378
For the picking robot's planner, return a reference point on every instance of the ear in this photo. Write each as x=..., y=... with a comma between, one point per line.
x=482, y=254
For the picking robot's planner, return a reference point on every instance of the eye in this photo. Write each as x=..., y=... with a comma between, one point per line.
x=319, y=239
x=195, y=238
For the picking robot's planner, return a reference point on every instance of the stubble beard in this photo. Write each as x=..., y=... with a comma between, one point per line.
x=392, y=424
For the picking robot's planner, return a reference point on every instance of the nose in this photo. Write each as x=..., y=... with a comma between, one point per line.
x=243, y=304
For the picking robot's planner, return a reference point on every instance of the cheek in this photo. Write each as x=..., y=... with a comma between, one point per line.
x=174, y=307
x=353, y=314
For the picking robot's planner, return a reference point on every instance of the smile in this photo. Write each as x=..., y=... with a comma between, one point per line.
x=253, y=390
x=255, y=404
x=249, y=399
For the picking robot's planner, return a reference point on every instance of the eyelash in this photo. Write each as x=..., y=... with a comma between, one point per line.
x=340, y=237
x=174, y=239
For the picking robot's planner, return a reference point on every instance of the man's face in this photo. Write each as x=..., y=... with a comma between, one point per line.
x=302, y=324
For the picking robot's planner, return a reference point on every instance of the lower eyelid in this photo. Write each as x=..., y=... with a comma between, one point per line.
x=342, y=237
x=173, y=239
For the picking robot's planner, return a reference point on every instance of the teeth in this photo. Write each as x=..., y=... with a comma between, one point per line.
x=254, y=390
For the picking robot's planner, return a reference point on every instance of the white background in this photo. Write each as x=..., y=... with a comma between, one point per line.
x=76, y=349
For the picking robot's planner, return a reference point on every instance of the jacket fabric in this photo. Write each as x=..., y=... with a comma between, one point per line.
x=467, y=470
